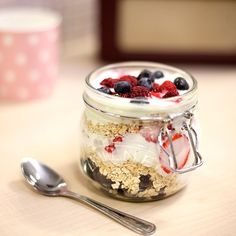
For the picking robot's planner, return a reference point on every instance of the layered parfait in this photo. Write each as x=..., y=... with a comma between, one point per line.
x=123, y=129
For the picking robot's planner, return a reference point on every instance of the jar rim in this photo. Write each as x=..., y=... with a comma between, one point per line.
x=142, y=103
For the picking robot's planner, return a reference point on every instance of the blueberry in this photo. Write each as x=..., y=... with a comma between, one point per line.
x=145, y=182
x=181, y=83
x=144, y=74
x=122, y=87
x=93, y=172
x=145, y=82
x=105, y=90
x=157, y=75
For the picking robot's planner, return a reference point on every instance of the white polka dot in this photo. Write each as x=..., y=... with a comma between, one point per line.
x=7, y=40
x=22, y=93
x=44, y=56
x=9, y=76
x=3, y=91
x=34, y=75
x=21, y=59
x=52, y=36
x=33, y=40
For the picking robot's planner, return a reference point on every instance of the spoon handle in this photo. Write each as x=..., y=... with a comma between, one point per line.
x=134, y=223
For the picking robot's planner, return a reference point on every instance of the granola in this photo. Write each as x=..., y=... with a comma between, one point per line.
x=130, y=179
x=111, y=129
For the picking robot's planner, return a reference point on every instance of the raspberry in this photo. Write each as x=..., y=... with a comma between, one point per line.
x=110, y=148
x=171, y=93
x=167, y=86
x=169, y=89
x=170, y=127
x=109, y=82
x=117, y=139
x=131, y=79
x=155, y=87
x=137, y=91
x=157, y=95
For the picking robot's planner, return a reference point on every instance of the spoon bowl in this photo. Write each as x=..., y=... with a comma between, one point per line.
x=46, y=181
x=42, y=178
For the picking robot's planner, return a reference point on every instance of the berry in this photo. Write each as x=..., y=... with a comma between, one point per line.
x=171, y=93
x=131, y=79
x=117, y=139
x=146, y=82
x=181, y=83
x=145, y=182
x=157, y=75
x=105, y=90
x=110, y=148
x=170, y=127
x=109, y=82
x=182, y=149
x=122, y=87
x=156, y=94
x=155, y=87
x=144, y=74
x=168, y=89
x=137, y=91
x=167, y=86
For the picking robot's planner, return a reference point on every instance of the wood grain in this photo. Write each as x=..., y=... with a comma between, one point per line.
x=48, y=130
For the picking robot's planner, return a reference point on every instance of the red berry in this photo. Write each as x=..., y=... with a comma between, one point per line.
x=167, y=86
x=174, y=137
x=171, y=93
x=137, y=91
x=157, y=95
x=131, y=79
x=155, y=87
x=169, y=89
x=170, y=127
x=109, y=82
x=110, y=148
x=181, y=147
x=117, y=139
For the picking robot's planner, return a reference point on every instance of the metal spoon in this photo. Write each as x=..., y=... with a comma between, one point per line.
x=46, y=181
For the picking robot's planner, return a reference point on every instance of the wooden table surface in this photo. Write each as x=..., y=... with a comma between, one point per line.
x=47, y=130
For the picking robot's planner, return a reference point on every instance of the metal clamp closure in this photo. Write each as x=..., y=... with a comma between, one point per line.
x=193, y=140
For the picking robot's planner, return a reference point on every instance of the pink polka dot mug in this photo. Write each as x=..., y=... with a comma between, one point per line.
x=28, y=53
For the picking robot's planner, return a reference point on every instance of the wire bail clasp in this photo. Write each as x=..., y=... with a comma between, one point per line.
x=193, y=139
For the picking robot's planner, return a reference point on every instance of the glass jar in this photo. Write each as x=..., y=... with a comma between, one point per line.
x=139, y=149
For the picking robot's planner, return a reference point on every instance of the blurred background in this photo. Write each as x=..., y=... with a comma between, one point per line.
x=176, y=31
x=79, y=28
